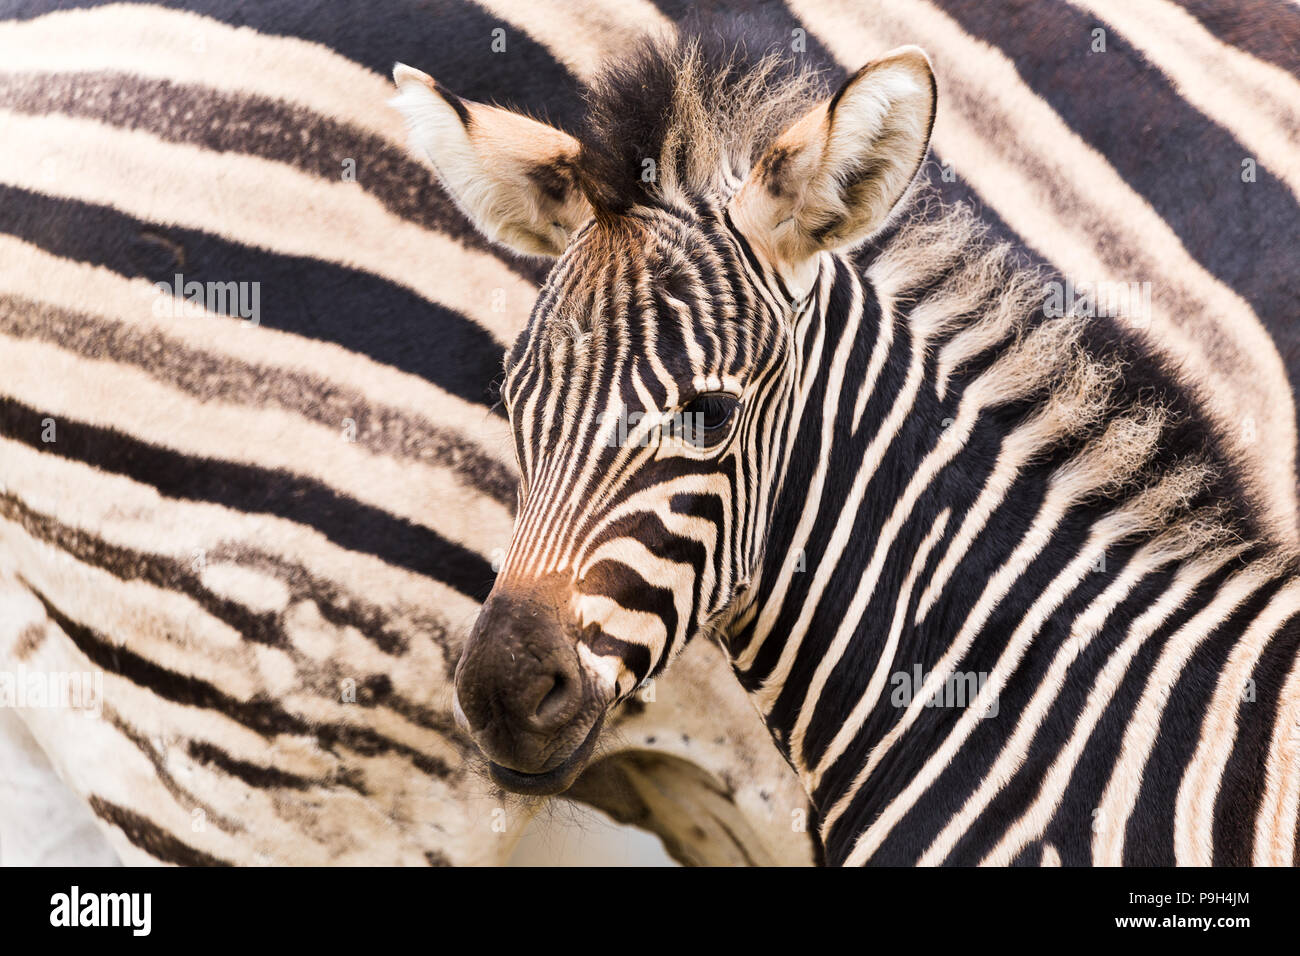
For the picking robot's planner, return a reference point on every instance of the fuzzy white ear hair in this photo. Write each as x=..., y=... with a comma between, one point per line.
x=836, y=176
x=513, y=177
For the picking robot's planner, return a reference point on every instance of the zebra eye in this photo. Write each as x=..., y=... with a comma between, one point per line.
x=705, y=419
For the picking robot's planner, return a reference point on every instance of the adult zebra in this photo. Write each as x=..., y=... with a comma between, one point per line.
x=269, y=538
x=221, y=130
x=712, y=396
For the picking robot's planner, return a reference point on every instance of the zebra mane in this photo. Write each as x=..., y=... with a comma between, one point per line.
x=682, y=114
x=1135, y=424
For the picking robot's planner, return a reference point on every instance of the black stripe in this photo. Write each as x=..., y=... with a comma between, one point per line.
x=1241, y=788
x=752, y=257
x=259, y=714
x=263, y=716
x=149, y=837
x=455, y=102
x=258, y=776
x=304, y=296
x=249, y=489
x=212, y=376
x=1149, y=834
x=634, y=656
x=632, y=592
x=1268, y=29
x=1070, y=830
x=339, y=608
x=166, y=573
x=449, y=40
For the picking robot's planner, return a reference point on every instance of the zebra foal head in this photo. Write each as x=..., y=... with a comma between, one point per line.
x=652, y=392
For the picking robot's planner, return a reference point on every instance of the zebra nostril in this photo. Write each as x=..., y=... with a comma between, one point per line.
x=552, y=706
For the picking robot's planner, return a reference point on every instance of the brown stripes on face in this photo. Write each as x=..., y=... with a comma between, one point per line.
x=382, y=430
x=243, y=123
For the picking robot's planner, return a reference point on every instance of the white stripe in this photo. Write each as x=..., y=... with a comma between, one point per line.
x=1279, y=808
x=885, y=662
x=1253, y=100
x=32, y=273
x=1033, y=822
x=1194, y=811
x=263, y=203
x=1114, y=527
x=1012, y=756
x=1140, y=733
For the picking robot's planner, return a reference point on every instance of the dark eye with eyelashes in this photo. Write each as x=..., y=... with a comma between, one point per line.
x=706, y=419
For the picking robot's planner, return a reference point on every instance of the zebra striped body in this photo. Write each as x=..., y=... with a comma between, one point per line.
x=898, y=468
x=269, y=539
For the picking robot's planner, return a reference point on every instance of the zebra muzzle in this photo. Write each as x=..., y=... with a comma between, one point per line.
x=553, y=781
x=526, y=696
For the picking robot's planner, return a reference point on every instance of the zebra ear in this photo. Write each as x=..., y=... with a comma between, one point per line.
x=835, y=176
x=515, y=178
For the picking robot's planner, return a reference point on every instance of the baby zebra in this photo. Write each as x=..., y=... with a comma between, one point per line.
x=999, y=590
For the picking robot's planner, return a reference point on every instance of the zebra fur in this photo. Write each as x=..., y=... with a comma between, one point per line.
x=202, y=532
x=916, y=397
x=288, y=87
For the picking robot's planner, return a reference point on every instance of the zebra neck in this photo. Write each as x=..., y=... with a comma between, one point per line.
x=853, y=530
x=938, y=552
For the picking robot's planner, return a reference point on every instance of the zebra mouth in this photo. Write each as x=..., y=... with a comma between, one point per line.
x=553, y=781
